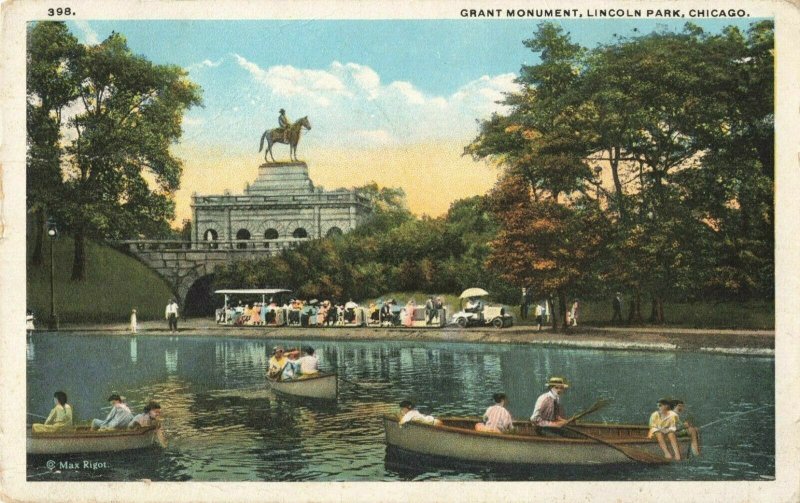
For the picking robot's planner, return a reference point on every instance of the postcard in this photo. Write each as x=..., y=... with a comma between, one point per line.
x=399, y=251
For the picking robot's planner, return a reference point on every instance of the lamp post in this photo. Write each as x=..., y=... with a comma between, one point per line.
x=52, y=232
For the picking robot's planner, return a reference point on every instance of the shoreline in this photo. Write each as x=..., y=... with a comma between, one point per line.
x=724, y=341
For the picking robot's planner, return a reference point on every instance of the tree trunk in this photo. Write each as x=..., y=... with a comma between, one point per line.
x=562, y=310
x=635, y=314
x=79, y=259
x=617, y=183
x=37, y=257
x=657, y=310
x=553, y=319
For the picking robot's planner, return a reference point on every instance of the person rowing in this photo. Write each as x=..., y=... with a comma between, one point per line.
x=548, y=413
x=277, y=362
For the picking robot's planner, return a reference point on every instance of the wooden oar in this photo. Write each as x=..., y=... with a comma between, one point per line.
x=630, y=452
x=594, y=408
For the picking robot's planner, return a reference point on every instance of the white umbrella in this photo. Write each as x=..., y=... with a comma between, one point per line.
x=473, y=292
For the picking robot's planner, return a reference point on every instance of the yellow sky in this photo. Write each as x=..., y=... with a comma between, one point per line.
x=433, y=175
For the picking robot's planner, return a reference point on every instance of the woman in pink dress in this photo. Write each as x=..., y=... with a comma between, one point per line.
x=256, y=316
x=410, y=308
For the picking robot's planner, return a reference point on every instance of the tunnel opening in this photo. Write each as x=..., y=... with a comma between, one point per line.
x=200, y=298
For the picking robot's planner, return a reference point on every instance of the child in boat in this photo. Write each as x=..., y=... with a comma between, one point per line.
x=496, y=419
x=685, y=425
x=292, y=367
x=152, y=411
x=664, y=423
x=119, y=417
x=59, y=418
x=408, y=412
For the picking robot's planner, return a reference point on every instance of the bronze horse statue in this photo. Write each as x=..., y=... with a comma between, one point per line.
x=276, y=136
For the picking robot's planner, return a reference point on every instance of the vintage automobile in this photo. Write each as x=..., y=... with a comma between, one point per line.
x=491, y=315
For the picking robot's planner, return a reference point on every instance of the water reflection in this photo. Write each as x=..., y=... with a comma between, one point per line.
x=134, y=354
x=225, y=424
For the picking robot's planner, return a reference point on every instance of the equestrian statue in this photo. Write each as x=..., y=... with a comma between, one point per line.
x=287, y=133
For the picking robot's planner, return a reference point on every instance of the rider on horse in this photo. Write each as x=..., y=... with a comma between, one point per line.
x=284, y=123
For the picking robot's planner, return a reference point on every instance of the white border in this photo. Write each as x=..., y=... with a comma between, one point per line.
x=13, y=485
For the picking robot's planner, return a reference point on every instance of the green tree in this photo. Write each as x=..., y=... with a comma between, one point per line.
x=660, y=117
x=51, y=86
x=119, y=173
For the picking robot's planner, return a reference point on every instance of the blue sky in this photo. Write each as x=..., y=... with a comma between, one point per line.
x=388, y=100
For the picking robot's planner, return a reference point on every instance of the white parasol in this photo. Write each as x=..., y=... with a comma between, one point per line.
x=473, y=292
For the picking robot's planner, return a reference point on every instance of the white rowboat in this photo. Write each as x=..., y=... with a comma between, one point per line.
x=322, y=386
x=457, y=439
x=84, y=440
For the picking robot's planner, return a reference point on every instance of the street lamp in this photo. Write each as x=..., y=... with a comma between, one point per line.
x=52, y=231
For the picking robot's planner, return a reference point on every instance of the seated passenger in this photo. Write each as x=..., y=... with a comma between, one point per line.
x=256, y=314
x=386, y=313
x=152, y=411
x=374, y=315
x=685, y=425
x=409, y=413
x=309, y=364
x=118, y=417
x=59, y=418
x=664, y=423
x=497, y=419
x=350, y=311
x=474, y=305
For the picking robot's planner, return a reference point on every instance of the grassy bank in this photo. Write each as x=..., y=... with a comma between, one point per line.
x=115, y=283
x=753, y=315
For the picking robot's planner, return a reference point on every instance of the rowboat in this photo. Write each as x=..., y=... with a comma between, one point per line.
x=322, y=386
x=457, y=439
x=83, y=440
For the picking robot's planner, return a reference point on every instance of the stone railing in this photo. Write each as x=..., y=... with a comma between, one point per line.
x=317, y=197
x=152, y=245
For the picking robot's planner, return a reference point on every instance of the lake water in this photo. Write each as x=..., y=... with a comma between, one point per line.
x=224, y=425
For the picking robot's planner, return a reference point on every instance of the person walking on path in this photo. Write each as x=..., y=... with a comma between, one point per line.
x=134, y=322
x=574, y=312
x=616, y=305
x=171, y=315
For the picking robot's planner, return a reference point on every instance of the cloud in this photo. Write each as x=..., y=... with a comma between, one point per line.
x=206, y=63
x=349, y=104
x=89, y=35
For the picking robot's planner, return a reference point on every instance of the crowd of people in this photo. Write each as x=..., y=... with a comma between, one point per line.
x=298, y=312
x=61, y=417
x=549, y=418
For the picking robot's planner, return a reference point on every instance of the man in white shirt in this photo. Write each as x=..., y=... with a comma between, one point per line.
x=171, y=315
x=309, y=364
x=409, y=413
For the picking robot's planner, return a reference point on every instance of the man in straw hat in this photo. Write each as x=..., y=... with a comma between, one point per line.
x=548, y=411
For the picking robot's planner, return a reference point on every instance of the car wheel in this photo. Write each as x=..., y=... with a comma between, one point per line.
x=497, y=322
x=461, y=322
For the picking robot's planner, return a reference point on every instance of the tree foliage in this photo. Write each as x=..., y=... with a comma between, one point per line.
x=392, y=251
x=118, y=173
x=645, y=163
